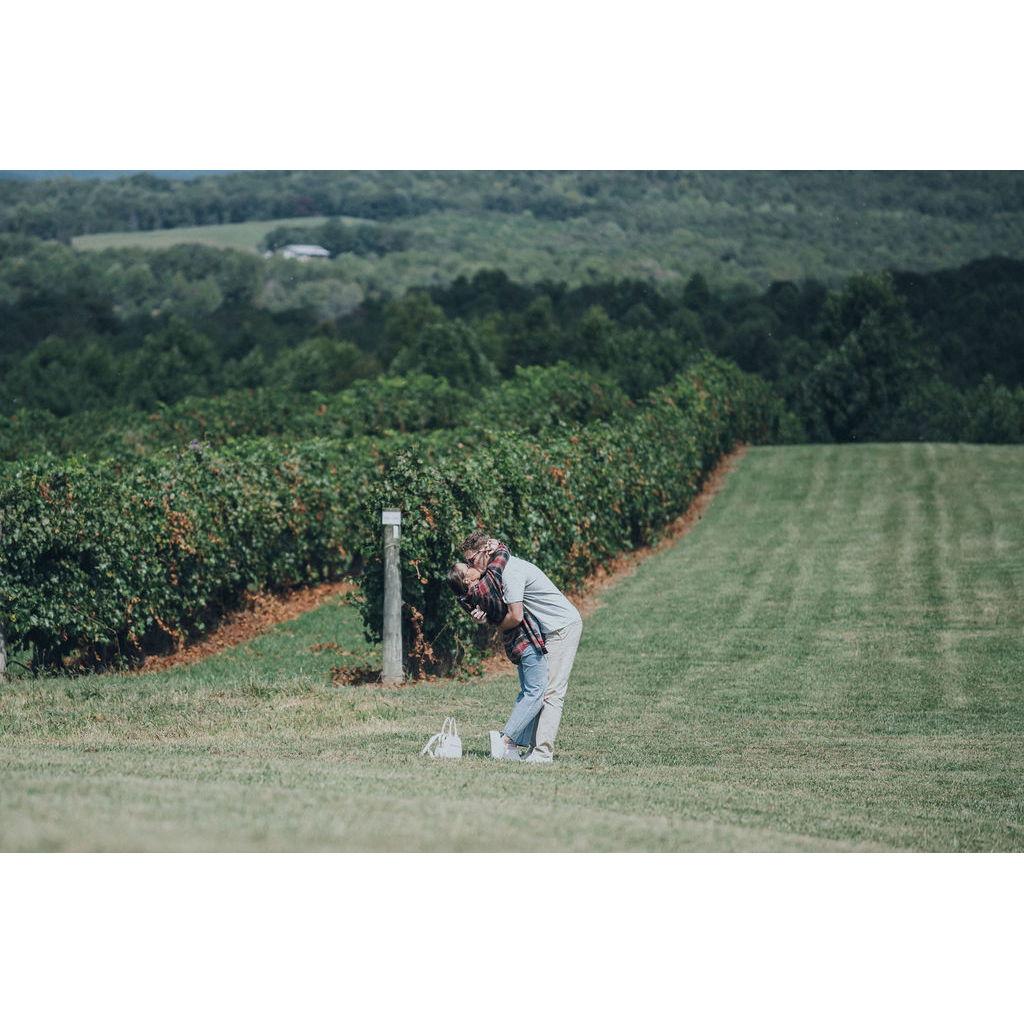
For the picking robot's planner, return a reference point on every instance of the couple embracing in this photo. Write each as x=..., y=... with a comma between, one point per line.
x=541, y=632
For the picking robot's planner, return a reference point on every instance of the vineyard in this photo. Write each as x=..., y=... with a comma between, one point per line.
x=106, y=559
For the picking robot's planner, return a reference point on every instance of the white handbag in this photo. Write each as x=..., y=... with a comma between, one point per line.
x=445, y=743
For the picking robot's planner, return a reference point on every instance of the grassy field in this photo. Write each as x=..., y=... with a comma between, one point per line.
x=831, y=660
x=246, y=235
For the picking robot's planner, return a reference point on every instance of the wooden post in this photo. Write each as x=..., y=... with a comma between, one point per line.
x=392, y=520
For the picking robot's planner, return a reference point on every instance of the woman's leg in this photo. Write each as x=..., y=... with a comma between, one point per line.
x=533, y=683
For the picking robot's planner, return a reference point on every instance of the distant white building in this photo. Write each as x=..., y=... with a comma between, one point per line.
x=304, y=252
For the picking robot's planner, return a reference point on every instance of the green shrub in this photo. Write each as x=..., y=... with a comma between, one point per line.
x=534, y=396
x=453, y=350
x=996, y=414
x=415, y=402
x=102, y=559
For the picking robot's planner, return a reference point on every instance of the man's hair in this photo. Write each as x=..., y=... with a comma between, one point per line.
x=457, y=582
x=476, y=540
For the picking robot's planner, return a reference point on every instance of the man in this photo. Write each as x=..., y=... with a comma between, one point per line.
x=527, y=588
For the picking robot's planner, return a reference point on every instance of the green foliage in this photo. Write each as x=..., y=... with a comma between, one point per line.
x=172, y=363
x=697, y=295
x=452, y=350
x=533, y=397
x=61, y=376
x=973, y=317
x=990, y=413
x=568, y=499
x=537, y=397
x=322, y=364
x=932, y=411
x=105, y=559
x=995, y=414
x=402, y=321
x=414, y=403
x=854, y=391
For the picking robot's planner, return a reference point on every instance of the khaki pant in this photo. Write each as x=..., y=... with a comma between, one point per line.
x=561, y=644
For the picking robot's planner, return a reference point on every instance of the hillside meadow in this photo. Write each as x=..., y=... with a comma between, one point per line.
x=246, y=235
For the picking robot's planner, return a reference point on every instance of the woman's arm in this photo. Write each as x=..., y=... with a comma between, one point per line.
x=487, y=603
x=514, y=615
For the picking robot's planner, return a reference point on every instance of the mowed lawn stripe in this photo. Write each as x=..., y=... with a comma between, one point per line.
x=835, y=708
x=830, y=660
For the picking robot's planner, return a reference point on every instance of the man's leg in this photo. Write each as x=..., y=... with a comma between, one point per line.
x=562, y=645
x=533, y=684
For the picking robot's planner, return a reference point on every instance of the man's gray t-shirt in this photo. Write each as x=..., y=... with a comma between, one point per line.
x=523, y=581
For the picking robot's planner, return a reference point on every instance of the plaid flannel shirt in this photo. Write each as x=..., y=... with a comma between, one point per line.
x=488, y=594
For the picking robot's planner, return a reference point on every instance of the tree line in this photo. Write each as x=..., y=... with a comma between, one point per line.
x=884, y=357
x=66, y=206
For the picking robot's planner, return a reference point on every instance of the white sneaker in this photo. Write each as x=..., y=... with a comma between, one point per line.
x=499, y=750
x=536, y=757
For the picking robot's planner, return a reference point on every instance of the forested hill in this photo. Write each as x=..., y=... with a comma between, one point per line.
x=757, y=226
x=469, y=275
x=882, y=357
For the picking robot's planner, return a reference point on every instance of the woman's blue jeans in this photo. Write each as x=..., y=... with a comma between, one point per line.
x=533, y=683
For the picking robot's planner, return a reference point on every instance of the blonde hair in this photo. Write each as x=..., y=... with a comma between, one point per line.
x=476, y=540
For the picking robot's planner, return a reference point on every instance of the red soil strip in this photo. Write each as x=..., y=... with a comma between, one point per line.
x=261, y=613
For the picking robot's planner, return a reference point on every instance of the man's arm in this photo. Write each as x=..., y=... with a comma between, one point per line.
x=513, y=588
